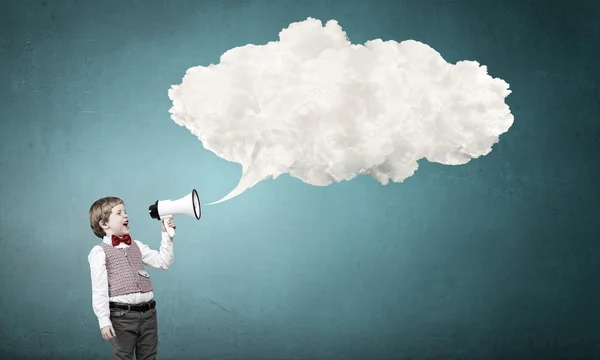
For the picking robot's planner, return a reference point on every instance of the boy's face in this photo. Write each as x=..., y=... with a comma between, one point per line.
x=118, y=222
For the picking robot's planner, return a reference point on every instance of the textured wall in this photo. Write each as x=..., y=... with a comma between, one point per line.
x=497, y=259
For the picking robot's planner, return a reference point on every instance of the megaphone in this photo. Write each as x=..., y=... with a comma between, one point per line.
x=188, y=205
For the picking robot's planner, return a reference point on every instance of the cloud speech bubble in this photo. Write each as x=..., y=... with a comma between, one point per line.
x=323, y=110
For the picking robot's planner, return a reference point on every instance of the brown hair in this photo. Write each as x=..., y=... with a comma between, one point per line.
x=101, y=210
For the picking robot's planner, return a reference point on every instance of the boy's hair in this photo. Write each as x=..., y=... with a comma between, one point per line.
x=101, y=210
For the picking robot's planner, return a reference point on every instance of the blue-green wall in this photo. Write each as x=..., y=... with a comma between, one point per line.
x=497, y=259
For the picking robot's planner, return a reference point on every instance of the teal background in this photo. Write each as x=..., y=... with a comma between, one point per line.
x=496, y=259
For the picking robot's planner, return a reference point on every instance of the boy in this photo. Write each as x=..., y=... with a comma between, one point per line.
x=122, y=294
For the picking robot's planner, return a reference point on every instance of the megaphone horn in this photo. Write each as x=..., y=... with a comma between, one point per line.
x=188, y=205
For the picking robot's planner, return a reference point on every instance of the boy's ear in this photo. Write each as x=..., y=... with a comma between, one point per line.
x=103, y=224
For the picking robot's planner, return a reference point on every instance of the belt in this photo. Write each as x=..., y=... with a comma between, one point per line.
x=134, y=307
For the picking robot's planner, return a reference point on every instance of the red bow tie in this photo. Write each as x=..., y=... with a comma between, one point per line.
x=117, y=240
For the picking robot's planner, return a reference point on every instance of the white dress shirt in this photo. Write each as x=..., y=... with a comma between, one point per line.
x=100, y=301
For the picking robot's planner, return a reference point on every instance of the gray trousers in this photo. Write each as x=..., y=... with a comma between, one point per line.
x=137, y=332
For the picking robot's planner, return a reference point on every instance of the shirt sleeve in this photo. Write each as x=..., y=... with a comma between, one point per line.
x=158, y=259
x=100, y=301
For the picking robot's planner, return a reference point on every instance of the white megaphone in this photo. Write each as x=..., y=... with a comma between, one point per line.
x=188, y=205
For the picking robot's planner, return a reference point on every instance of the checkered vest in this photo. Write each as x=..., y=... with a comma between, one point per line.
x=122, y=266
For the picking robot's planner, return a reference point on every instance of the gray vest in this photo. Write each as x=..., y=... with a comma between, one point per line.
x=125, y=270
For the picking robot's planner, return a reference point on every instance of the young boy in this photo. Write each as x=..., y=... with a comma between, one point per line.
x=122, y=296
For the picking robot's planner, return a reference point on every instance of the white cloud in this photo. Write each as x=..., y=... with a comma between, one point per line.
x=324, y=110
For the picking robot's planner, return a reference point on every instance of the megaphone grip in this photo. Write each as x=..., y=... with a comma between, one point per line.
x=170, y=230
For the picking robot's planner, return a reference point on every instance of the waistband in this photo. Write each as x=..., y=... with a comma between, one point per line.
x=134, y=307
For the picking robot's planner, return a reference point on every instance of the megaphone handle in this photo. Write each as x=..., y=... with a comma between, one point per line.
x=170, y=230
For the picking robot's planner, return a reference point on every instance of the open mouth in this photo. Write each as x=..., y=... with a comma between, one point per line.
x=126, y=223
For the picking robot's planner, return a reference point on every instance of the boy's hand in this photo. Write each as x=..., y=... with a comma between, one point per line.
x=108, y=332
x=171, y=224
